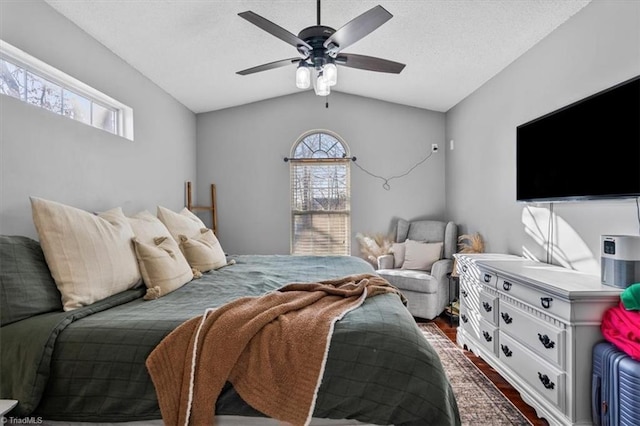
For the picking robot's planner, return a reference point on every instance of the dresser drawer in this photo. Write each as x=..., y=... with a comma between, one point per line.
x=539, y=299
x=470, y=321
x=490, y=279
x=471, y=271
x=465, y=265
x=488, y=336
x=547, y=380
x=469, y=294
x=488, y=307
x=543, y=338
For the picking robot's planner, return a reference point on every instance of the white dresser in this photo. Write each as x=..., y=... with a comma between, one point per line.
x=536, y=324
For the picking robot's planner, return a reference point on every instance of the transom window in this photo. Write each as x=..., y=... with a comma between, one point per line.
x=26, y=78
x=320, y=195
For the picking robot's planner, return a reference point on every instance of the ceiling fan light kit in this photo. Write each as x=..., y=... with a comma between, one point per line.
x=322, y=86
x=331, y=73
x=303, y=76
x=320, y=48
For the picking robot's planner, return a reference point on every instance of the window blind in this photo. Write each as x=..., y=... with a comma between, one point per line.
x=320, y=207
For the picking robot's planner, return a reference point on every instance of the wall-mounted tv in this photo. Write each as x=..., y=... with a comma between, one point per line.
x=586, y=150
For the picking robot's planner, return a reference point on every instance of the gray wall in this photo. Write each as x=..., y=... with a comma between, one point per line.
x=50, y=156
x=597, y=48
x=241, y=150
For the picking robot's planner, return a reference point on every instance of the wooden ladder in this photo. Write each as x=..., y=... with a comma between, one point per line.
x=211, y=208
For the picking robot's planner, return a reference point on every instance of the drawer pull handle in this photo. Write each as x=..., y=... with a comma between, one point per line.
x=505, y=349
x=464, y=268
x=506, y=285
x=464, y=293
x=487, y=336
x=548, y=343
x=546, y=302
x=487, y=278
x=464, y=318
x=546, y=381
x=507, y=318
x=487, y=307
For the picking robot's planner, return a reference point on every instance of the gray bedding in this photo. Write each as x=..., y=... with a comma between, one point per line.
x=88, y=364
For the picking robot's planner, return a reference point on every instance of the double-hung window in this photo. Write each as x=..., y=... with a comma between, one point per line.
x=320, y=195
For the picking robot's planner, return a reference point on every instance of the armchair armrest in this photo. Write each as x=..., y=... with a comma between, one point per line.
x=385, y=261
x=441, y=268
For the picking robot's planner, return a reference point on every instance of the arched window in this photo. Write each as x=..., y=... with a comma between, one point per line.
x=320, y=195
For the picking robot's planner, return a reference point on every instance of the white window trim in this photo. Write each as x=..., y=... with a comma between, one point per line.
x=124, y=114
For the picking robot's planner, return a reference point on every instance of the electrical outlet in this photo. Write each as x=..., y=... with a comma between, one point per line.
x=434, y=147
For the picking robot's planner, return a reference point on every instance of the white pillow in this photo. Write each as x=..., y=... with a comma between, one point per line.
x=91, y=257
x=164, y=268
x=203, y=252
x=421, y=256
x=183, y=223
x=398, y=250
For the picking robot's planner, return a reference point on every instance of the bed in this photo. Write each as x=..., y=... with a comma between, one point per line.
x=88, y=364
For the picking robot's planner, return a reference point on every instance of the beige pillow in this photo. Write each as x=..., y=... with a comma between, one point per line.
x=91, y=257
x=203, y=252
x=183, y=223
x=146, y=227
x=164, y=268
x=398, y=250
x=421, y=256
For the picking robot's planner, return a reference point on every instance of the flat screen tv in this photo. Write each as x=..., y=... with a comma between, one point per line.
x=586, y=150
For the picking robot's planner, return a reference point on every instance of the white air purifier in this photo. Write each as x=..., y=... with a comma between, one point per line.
x=620, y=260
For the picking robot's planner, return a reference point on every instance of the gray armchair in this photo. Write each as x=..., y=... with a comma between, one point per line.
x=423, y=282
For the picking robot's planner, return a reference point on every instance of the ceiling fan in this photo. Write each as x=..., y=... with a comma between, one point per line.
x=320, y=48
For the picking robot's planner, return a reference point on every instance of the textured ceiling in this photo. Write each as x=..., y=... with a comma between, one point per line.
x=192, y=48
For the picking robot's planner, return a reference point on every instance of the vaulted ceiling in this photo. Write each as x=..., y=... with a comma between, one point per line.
x=193, y=48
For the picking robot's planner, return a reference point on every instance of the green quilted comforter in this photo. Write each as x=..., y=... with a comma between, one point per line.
x=89, y=364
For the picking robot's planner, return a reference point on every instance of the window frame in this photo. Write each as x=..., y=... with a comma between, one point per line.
x=296, y=162
x=123, y=125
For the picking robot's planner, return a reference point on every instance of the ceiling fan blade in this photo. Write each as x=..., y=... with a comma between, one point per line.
x=357, y=28
x=276, y=30
x=369, y=63
x=270, y=66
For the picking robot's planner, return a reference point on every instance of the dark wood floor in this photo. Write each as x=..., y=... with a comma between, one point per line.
x=505, y=388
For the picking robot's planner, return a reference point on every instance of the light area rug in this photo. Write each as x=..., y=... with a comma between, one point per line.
x=480, y=402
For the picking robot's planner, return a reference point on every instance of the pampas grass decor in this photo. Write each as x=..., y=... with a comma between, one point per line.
x=468, y=243
x=372, y=246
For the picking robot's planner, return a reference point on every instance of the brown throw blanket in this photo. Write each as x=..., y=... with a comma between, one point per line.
x=272, y=349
